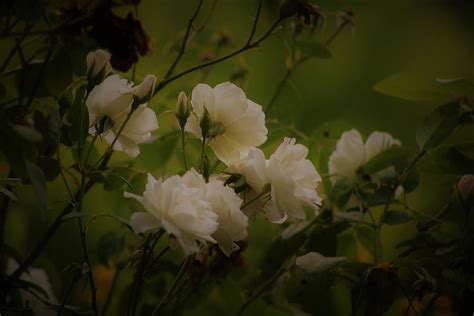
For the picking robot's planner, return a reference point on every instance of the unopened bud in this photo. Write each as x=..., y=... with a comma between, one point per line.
x=216, y=130
x=144, y=91
x=205, y=124
x=182, y=109
x=98, y=66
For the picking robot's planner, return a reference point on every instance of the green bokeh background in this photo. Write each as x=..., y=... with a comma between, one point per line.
x=427, y=36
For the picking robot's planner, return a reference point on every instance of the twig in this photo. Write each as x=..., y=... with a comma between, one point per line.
x=185, y=40
x=82, y=232
x=177, y=280
x=378, y=227
x=74, y=280
x=183, y=147
x=289, y=71
x=111, y=291
x=248, y=46
x=262, y=290
x=255, y=23
x=138, y=278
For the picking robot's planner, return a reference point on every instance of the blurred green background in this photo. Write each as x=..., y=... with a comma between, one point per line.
x=429, y=37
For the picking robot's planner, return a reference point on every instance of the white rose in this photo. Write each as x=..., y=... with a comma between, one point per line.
x=293, y=180
x=98, y=62
x=232, y=221
x=351, y=153
x=348, y=156
x=253, y=167
x=226, y=205
x=179, y=207
x=242, y=120
x=112, y=100
x=41, y=279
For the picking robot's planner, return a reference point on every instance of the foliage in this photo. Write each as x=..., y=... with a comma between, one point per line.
x=67, y=183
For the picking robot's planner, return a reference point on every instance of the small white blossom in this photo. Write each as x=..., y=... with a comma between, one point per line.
x=98, y=62
x=109, y=104
x=351, y=153
x=179, y=206
x=241, y=121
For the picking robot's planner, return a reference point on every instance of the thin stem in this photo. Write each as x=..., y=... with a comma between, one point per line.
x=158, y=257
x=183, y=146
x=58, y=158
x=138, y=278
x=262, y=290
x=203, y=154
x=255, y=198
x=167, y=81
x=278, y=89
x=111, y=291
x=82, y=232
x=89, y=150
x=255, y=23
x=289, y=71
x=378, y=227
x=176, y=282
x=336, y=33
x=69, y=289
x=185, y=40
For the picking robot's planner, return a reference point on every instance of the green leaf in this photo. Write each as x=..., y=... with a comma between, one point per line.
x=28, y=133
x=155, y=155
x=395, y=217
x=438, y=125
x=313, y=49
x=386, y=159
x=79, y=127
x=278, y=252
x=411, y=180
x=341, y=191
x=467, y=150
x=109, y=246
x=460, y=87
x=8, y=193
x=117, y=178
x=412, y=86
x=314, y=262
x=38, y=180
x=323, y=238
x=446, y=160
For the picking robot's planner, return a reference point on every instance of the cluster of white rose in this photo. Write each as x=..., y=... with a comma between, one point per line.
x=112, y=100
x=351, y=153
x=195, y=210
